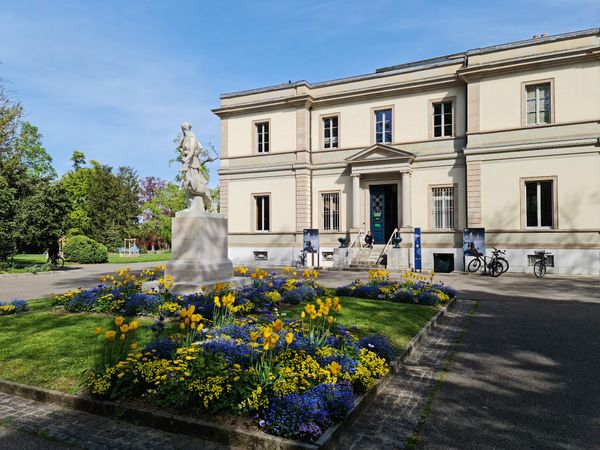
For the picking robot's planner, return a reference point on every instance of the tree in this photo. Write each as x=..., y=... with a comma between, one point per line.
x=160, y=210
x=149, y=187
x=7, y=222
x=76, y=187
x=10, y=117
x=42, y=217
x=78, y=159
x=28, y=148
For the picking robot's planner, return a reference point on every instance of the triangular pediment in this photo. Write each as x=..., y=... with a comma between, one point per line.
x=380, y=152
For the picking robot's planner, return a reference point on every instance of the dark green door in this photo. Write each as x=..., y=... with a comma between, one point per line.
x=377, y=193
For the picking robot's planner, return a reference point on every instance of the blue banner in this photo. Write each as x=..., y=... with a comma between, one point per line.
x=417, y=248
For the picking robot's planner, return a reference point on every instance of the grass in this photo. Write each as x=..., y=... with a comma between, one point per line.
x=399, y=322
x=113, y=258
x=50, y=348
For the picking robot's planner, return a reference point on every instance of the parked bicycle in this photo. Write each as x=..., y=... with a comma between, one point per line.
x=56, y=261
x=539, y=268
x=496, y=265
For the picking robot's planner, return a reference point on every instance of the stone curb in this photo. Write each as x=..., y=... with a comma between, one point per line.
x=224, y=434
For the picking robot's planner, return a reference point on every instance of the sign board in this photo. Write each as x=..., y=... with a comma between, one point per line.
x=474, y=241
x=417, y=248
x=311, y=240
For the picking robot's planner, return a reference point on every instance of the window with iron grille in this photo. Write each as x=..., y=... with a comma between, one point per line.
x=442, y=119
x=262, y=212
x=330, y=132
x=262, y=135
x=538, y=104
x=383, y=126
x=331, y=211
x=442, y=201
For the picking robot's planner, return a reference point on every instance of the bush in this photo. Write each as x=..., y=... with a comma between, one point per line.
x=82, y=249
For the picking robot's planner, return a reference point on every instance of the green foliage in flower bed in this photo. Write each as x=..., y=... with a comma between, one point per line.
x=413, y=288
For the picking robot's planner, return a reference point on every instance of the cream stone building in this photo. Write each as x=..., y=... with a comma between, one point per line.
x=505, y=138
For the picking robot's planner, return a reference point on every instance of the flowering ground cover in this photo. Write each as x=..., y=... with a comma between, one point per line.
x=278, y=354
x=411, y=288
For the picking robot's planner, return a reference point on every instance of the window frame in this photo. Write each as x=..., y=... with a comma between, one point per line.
x=322, y=119
x=432, y=104
x=254, y=197
x=430, y=205
x=524, y=86
x=255, y=133
x=523, y=188
x=374, y=112
x=322, y=211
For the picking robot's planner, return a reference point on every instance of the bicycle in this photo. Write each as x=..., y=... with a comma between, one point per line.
x=497, y=254
x=56, y=261
x=495, y=266
x=539, y=268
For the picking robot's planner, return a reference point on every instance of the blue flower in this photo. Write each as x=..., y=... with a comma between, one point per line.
x=378, y=344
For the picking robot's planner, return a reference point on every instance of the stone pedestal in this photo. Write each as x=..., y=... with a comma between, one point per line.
x=199, y=251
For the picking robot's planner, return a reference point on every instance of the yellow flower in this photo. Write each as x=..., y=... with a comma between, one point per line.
x=253, y=336
x=330, y=320
x=119, y=320
x=278, y=325
x=110, y=335
x=123, y=336
x=182, y=326
x=124, y=328
x=267, y=332
x=217, y=302
x=334, y=368
x=200, y=327
x=183, y=313
x=303, y=314
x=191, y=309
x=98, y=330
x=289, y=338
x=266, y=346
x=134, y=325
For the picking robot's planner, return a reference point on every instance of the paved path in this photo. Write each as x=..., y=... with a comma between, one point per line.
x=27, y=424
x=45, y=284
x=526, y=375
x=391, y=418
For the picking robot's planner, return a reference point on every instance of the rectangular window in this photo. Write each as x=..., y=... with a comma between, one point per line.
x=442, y=214
x=262, y=136
x=538, y=104
x=442, y=119
x=331, y=211
x=383, y=126
x=262, y=212
x=330, y=132
x=539, y=204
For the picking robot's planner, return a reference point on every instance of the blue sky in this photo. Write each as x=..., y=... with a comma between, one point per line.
x=115, y=79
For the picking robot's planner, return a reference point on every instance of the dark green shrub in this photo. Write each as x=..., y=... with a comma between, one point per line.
x=84, y=250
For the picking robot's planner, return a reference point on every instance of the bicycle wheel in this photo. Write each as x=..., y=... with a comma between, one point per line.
x=504, y=264
x=59, y=263
x=539, y=269
x=495, y=268
x=474, y=265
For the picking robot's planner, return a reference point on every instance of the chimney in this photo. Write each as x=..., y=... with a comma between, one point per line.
x=543, y=35
x=535, y=36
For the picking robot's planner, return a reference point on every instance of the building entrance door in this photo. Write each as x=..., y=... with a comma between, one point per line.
x=384, y=211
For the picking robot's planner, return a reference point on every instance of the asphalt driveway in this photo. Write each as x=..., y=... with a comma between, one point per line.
x=527, y=373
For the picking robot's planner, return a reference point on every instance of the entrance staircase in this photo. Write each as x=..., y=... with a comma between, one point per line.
x=366, y=258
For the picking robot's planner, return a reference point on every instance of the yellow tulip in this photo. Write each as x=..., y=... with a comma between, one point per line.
x=302, y=314
x=124, y=328
x=253, y=336
x=217, y=302
x=200, y=327
x=334, y=368
x=289, y=338
x=330, y=320
x=182, y=326
x=134, y=325
x=191, y=309
x=278, y=325
x=183, y=313
x=267, y=332
x=123, y=336
x=98, y=330
x=110, y=335
x=119, y=320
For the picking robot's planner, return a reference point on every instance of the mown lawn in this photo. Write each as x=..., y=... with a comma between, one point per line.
x=399, y=322
x=51, y=348
x=113, y=258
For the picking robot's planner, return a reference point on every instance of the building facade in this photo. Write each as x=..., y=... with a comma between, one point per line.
x=505, y=138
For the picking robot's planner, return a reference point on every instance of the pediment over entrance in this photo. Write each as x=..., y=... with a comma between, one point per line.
x=381, y=153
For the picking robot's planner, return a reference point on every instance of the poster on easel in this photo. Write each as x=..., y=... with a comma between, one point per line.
x=311, y=244
x=473, y=242
x=418, y=249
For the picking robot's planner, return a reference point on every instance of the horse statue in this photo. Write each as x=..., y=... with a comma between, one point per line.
x=193, y=182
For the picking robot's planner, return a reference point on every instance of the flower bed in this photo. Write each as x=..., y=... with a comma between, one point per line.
x=13, y=307
x=226, y=351
x=413, y=288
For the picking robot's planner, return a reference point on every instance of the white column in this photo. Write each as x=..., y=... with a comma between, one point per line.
x=405, y=199
x=356, y=201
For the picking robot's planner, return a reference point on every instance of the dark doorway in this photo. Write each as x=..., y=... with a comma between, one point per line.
x=384, y=211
